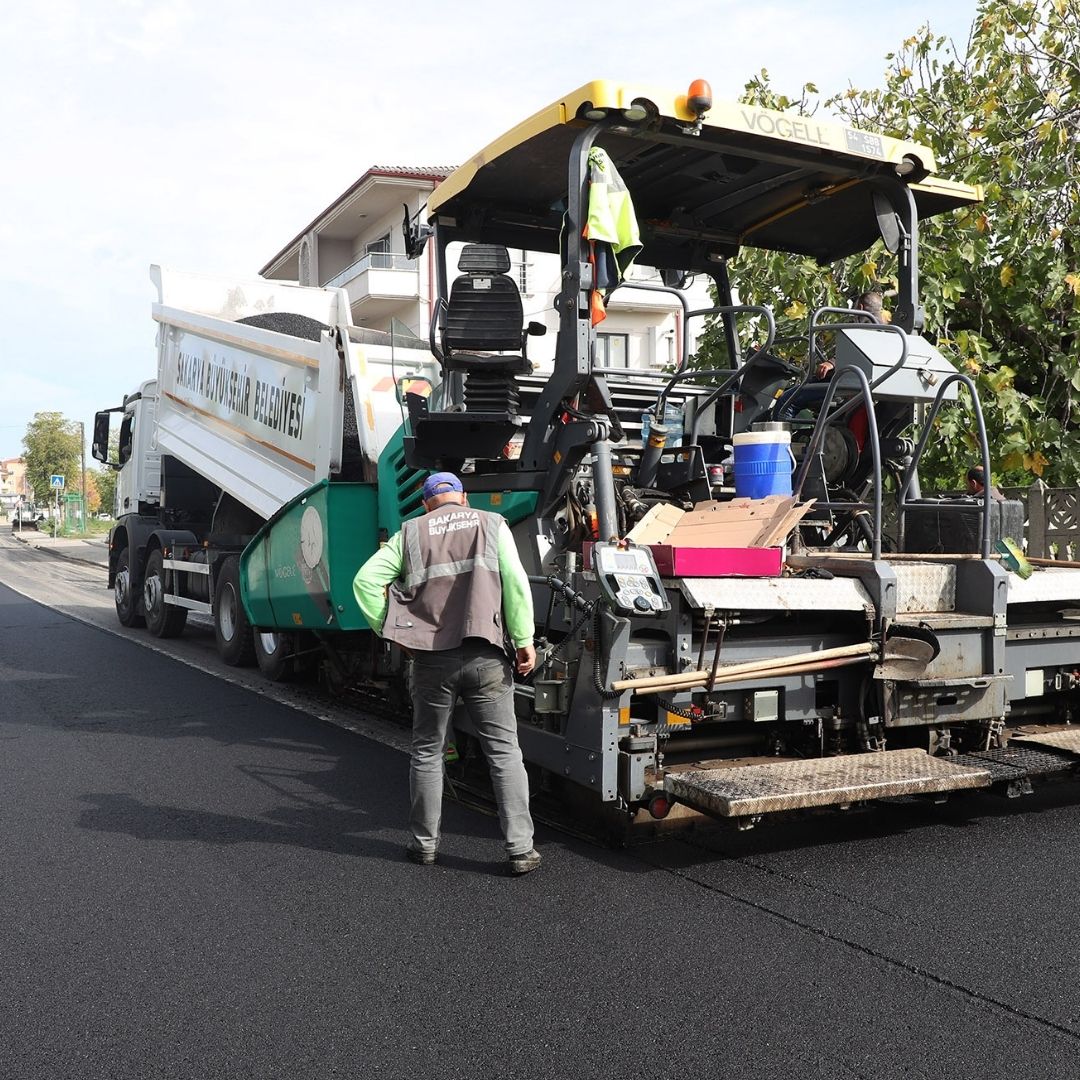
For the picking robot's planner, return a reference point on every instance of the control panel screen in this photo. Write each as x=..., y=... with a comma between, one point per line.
x=628, y=579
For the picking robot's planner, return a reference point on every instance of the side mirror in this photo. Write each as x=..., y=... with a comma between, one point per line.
x=887, y=221
x=99, y=448
x=674, y=279
x=416, y=234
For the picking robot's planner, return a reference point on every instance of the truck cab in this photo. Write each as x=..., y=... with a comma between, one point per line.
x=138, y=485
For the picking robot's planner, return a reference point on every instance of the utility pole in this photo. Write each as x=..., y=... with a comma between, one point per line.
x=82, y=457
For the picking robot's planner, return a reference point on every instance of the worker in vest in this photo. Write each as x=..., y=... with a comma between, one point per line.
x=449, y=587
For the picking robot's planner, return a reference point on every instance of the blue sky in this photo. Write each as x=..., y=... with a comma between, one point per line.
x=204, y=134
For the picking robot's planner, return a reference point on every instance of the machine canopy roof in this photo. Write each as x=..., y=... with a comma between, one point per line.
x=752, y=177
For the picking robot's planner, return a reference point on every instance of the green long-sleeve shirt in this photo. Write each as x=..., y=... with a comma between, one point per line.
x=385, y=566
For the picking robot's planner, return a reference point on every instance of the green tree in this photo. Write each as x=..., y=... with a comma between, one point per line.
x=51, y=445
x=105, y=479
x=1001, y=280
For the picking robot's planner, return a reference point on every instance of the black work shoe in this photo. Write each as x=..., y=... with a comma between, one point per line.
x=421, y=858
x=522, y=864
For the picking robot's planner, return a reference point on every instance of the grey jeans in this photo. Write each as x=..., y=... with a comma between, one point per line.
x=479, y=674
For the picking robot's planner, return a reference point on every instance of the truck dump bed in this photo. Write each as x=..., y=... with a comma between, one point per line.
x=258, y=410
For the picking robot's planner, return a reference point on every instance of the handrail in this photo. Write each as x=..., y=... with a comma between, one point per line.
x=732, y=309
x=438, y=313
x=372, y=260
x=762, y=350
x=984, y=448
x=864, y=321
x=647, y=373
x=814, y=447
x=671, y=291
x=735, y=374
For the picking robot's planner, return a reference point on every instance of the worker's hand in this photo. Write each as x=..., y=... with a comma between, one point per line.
x=825, y=369
x=526, y=659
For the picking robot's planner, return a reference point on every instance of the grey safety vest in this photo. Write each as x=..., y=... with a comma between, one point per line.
x=450, y=588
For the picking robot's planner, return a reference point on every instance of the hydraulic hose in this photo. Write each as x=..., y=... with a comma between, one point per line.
x=587, y=608
x=571, y=596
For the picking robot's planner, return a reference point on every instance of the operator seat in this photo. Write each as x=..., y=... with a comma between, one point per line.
x=482, y=330
x=475, y=333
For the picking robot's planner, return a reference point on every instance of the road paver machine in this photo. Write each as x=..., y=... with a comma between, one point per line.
x=876, y=661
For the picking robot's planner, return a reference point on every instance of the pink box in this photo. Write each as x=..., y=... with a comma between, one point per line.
x=717, y=561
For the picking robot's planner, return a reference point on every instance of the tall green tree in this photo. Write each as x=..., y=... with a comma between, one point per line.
x=1000, y=281
x=52, y=446
x=105, y=479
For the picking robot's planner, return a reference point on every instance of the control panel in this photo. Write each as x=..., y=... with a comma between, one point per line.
x=628, y=578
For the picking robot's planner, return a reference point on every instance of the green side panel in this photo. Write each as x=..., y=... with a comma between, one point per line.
x=298, y=570
x=515, y=506
x=400, y=487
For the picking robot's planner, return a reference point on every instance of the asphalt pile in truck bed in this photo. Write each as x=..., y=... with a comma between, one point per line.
x=301, y=326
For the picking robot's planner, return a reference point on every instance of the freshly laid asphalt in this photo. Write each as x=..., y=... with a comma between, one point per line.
x=196, y=881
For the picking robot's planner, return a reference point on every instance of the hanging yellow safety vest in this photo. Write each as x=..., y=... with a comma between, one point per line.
x=611, y=229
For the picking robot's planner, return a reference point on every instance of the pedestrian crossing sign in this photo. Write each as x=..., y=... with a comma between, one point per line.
x=56, y=480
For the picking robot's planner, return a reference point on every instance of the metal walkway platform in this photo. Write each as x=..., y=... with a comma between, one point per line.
x=1018, y=761
x=793, y=785
x=1067, y=741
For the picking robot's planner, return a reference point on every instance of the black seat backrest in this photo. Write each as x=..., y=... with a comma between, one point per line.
x=484, y=310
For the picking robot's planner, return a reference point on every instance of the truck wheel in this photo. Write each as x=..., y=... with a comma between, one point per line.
x=162, y=620
x=235, y=642
x=127, y=606
x=273, y=653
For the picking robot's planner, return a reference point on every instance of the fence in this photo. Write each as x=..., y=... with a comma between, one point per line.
x=1051, y=519
x=72, y=517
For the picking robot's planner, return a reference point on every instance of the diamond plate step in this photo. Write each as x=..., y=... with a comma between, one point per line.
x=1069, y=741
x=794, y=785
x=925, y=587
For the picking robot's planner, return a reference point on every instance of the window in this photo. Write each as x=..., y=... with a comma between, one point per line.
x=520, y=272
x=127, y=437
x=612, y=350
x=379, y=250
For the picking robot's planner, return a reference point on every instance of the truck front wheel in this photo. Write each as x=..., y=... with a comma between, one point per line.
x=162, y=620
x=127, y=605
x=235, y=641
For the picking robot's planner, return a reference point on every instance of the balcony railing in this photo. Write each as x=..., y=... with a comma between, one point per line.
x=373, y=260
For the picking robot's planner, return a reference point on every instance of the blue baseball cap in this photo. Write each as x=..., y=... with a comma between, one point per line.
x=439, y=484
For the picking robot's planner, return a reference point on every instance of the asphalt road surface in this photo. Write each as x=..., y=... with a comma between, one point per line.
x=198, y=880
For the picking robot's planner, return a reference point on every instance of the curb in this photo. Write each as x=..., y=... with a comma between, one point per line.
x=59, y=554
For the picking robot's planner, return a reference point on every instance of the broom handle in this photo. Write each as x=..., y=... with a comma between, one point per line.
x=862, y=649
x=771, y=673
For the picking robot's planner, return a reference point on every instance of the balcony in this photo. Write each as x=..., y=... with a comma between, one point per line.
x=379, y=284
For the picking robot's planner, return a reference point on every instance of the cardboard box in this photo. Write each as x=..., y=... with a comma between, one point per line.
x=717, y=561
x=738, y=523
x=738, y=538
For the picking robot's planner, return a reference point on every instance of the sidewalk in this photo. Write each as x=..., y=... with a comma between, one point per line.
x=93, y=552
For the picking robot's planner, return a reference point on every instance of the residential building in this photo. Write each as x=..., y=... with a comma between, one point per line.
x=357, y=244
x=13, y=483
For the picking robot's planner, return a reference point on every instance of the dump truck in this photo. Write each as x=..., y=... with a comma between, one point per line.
x=265, y=392
x=701, y=653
